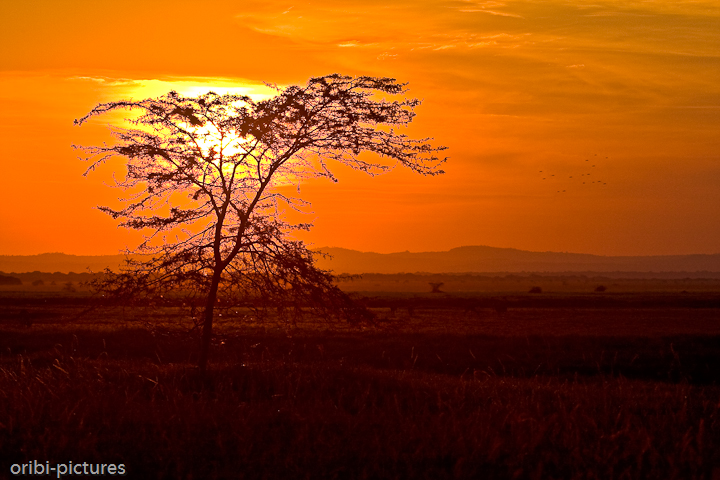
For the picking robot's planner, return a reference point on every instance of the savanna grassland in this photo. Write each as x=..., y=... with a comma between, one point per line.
x=496, y=385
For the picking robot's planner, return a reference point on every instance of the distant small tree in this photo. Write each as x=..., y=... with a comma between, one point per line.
x=208, y=176
x=600, y=288
x=536, y=290
x=435, y=287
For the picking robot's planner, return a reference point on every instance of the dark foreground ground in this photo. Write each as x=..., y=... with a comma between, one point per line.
x=445, y=386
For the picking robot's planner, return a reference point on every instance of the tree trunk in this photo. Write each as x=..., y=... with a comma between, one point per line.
x=208, y=321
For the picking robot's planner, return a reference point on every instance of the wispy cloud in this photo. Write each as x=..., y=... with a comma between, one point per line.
x=106, y=81
x=356, y=44
x=490, y=12
x=423, y=24
x=489, y=7
x=189, y=86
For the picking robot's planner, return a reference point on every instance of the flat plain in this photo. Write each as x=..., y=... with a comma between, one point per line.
x=498, y=384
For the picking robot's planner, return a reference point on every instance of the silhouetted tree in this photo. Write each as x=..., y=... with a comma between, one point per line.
x=207, y=176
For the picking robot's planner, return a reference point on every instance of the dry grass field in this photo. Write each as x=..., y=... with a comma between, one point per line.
x=511, y=386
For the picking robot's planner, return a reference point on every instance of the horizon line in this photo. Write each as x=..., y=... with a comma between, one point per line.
x=398, y=252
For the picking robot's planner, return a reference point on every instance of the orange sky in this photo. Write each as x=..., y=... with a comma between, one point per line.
x=512, y=88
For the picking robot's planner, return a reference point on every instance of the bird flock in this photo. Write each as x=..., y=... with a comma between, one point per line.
x=588, y=175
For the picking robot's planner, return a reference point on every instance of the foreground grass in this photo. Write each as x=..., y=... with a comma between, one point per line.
x=267, y=411
x=573, y=390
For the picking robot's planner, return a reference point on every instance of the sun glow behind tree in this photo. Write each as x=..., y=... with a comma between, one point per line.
x=229, y=155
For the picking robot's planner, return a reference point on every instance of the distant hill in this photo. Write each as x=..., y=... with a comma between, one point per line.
x=59, y=262
x=458, y=260
x=491, y=259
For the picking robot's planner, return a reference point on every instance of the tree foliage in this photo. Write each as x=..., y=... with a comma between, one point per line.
x=207, y=181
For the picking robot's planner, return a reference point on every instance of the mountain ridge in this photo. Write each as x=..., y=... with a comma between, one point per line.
x=464, y=259
x=492, y=259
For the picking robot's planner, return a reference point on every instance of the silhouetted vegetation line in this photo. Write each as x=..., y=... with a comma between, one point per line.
x=8, y=280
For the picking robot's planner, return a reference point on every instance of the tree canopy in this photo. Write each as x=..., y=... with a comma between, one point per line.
x=206, y=181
